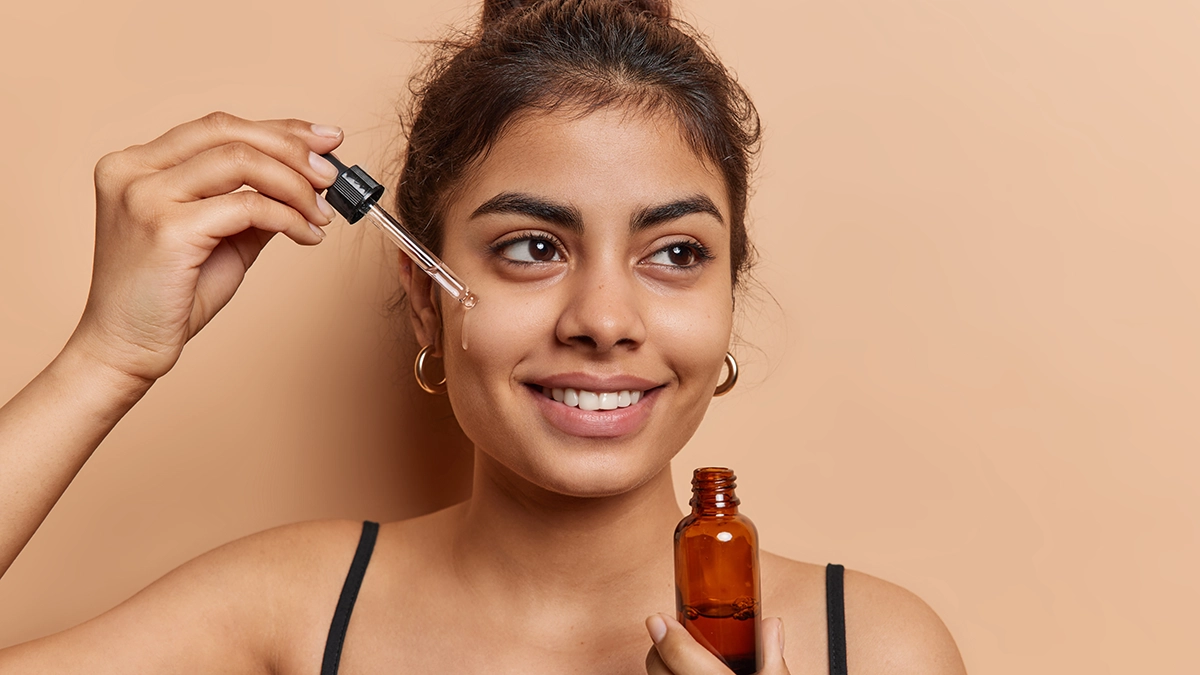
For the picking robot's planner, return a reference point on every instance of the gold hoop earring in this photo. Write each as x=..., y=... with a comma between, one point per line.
x=419, y=373
x=725, y=386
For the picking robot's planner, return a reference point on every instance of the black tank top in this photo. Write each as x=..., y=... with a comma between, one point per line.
x=835, y=608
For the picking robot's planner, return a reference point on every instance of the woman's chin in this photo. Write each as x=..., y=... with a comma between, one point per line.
x=592, y=474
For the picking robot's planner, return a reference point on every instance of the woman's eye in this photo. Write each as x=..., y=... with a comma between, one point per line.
x=531, y=250
x=676, y=255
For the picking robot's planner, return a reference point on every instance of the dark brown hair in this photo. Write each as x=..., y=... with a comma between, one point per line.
x=586, y=54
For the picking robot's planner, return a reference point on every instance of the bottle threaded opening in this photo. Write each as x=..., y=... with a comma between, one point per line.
x=713, y=488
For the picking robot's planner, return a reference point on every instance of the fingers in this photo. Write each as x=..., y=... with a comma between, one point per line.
x=655, y=665
x=289, y=141
x=227, y=167
x=677, y=651
x=230, y=214
x=772, y=646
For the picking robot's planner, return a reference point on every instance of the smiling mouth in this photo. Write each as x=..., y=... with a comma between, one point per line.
x=591, y=400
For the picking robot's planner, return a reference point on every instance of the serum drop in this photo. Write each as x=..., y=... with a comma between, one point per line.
x=717, y=595
x=463, y=328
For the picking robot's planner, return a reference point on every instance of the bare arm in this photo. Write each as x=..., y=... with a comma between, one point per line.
x=47, y=433
x=175, y=236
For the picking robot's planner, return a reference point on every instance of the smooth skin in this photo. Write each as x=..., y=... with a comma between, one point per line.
x=561, y=560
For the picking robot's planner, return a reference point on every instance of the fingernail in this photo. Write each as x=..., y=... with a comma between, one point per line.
x=657, y=628
x=316, y=230
x=326, y=130
x=781, y=636
x=322, y=166
x=326, y=209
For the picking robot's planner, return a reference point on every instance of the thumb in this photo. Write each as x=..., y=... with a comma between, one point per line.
x=772, y=646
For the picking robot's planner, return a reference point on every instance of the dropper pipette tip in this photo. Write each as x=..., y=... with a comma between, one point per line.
x=355, y=194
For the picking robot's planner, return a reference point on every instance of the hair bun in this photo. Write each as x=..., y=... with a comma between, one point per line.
x=495, y=11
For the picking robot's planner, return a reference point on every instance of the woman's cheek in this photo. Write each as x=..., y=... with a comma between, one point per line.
x=693, y=333
x=485, y=344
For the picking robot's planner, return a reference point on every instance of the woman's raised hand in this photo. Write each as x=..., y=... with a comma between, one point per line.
x=676, y=652
x=175, y=234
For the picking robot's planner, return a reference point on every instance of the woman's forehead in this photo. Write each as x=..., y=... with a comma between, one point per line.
x=615, y=154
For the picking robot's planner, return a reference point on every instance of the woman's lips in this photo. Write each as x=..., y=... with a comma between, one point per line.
x=577, y=420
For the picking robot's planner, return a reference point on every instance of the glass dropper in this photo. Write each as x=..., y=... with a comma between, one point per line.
x=355, y=194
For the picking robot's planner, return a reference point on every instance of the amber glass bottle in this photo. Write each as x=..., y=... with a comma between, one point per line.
x=716, y=573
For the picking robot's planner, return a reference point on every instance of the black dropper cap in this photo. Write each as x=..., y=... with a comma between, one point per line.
x=354, y=192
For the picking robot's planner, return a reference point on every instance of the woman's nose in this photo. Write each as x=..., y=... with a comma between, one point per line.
x=602, y=312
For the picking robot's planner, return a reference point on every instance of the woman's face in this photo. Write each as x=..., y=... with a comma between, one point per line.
x=599, y=249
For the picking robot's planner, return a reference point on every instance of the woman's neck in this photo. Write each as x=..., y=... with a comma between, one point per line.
x=514, y=538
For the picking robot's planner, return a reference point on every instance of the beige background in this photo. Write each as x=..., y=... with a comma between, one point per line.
x=974, y=355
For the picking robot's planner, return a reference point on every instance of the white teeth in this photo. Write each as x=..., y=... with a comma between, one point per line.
x=588, y=400
x=593, y=400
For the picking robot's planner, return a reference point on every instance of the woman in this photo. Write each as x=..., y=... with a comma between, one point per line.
x=583, y=164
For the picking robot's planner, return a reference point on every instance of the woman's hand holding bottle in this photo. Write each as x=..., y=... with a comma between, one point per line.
x=175, y=234
x=676, y=652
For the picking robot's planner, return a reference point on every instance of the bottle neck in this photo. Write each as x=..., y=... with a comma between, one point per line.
x=713, y=492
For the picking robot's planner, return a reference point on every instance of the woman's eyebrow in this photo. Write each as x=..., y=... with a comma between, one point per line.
x=569, y=217
x=653, y=215
x=536, y=207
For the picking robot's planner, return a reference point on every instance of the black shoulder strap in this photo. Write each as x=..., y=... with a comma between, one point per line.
x=835, y=612
x=345, y=605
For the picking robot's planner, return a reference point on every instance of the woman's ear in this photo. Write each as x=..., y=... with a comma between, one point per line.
x=424, y=310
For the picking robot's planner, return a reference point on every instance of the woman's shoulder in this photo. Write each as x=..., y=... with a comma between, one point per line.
x=310, y=553
x=888, y=628
x=303, y=567
x=264, y=598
